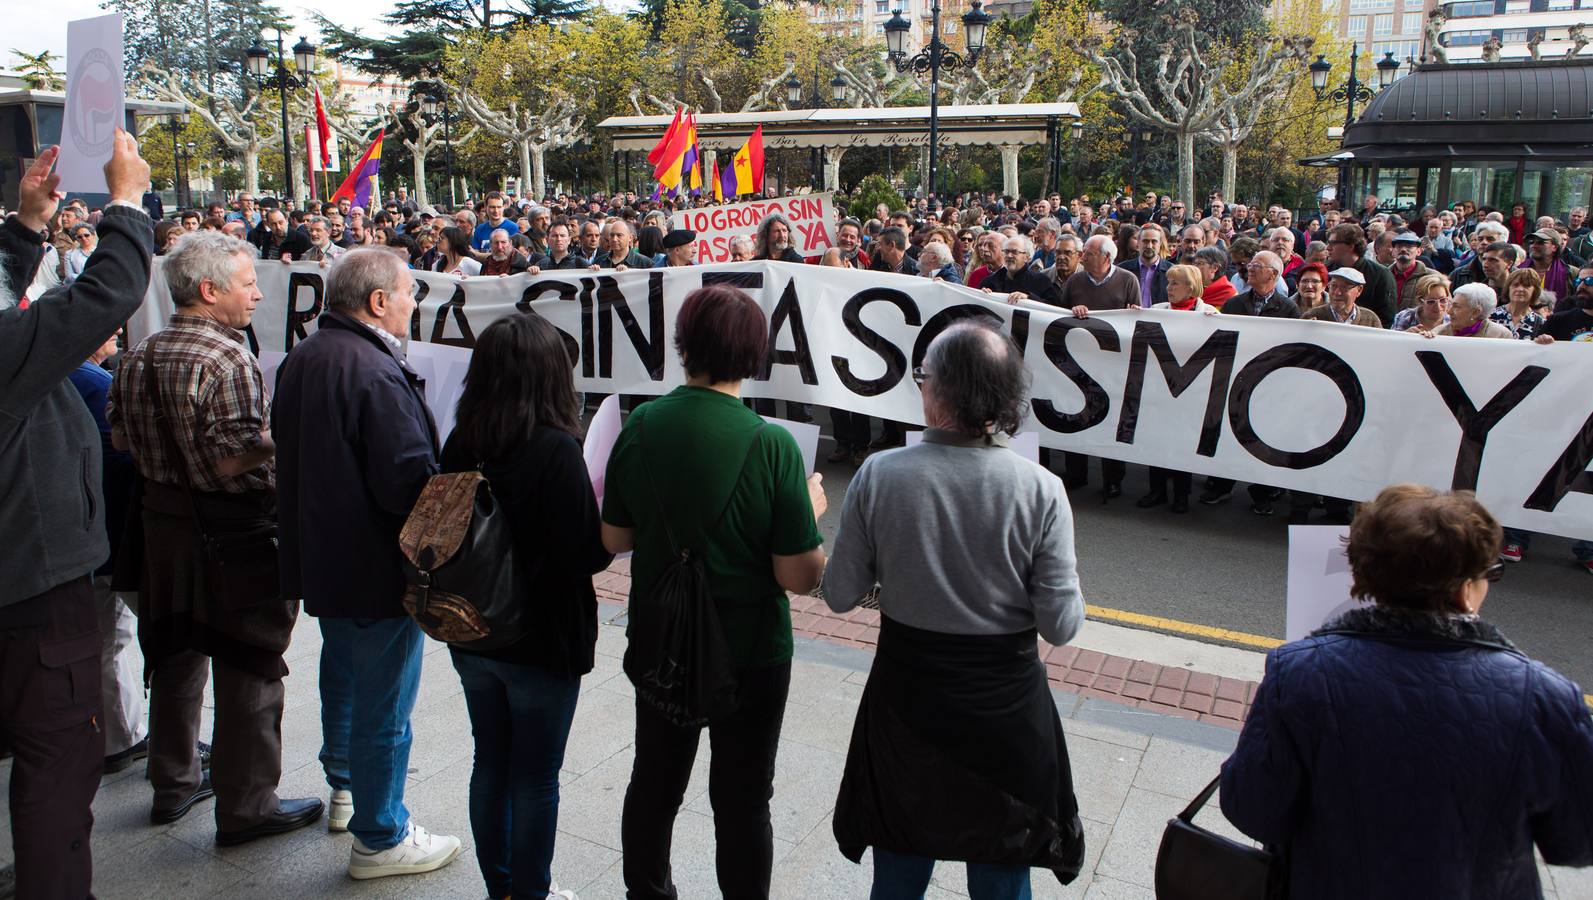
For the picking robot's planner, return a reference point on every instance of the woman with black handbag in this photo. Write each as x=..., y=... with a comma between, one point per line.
x=518, y=423
x=714, y=504
x=1407, y=748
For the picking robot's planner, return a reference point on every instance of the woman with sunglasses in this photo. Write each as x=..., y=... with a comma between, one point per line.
x=1407, y=748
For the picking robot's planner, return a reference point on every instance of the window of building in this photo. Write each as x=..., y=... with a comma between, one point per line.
x=1468, y=38
x=1371, y=4
x=1561, y=4
x=1469, y=9
x=1355, y=27
x=1518, y=6
x=1410, y=23
x=881, y=7
x=1515, y=36
x=1382, y=26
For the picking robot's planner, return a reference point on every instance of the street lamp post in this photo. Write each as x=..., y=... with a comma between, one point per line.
x=178, y=121
x=1137, y=139
x=188, y=163
x=932, y=59
x=429, y=104
x=260, y=68
x=1349, y=93
x=1076, y=131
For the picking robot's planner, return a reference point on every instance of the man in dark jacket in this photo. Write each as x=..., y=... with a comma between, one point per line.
x=53, y=518
x=1347, y=247
x=276, y=239
x=1266, y=295
x=1149, y=268
x=1016, y=280
x=355, y=445
x=617, y=253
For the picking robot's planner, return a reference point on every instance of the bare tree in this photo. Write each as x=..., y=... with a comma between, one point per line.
x=558, y=125
x=1239, y=115
x=242, y=129
x=1190, y=95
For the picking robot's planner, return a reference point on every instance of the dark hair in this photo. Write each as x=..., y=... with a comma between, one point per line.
x=894, y=236
x=1505, y=247
x=978, y=374
x=455, y=240
x=1413, y=547
x=1349, y=233
x=1246, y=246
x=1125, y=233
x=650, y=242
x=163, y=230
x=721, y=333
x=520, y=376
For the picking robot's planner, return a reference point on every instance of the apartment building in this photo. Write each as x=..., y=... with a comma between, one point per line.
x=1517, y=24
x=867, y=18
x=1382, y=26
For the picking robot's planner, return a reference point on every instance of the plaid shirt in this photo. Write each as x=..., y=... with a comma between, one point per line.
x=215, y=404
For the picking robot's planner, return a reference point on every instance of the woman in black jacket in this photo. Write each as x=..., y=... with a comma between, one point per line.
x=519, y=423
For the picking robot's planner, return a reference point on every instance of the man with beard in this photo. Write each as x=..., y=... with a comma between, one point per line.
x=773, y=240
x=501, y=259
x=322, y=249
x=1149, y=268
x=1347, y=248
x=1407, y=269
x=1017, y=280
x=1543, y=251
x=680, y=248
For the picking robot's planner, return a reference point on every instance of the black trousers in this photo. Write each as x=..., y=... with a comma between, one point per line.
x=852, y=430
x=740, y=783
x=49, y=709
x=1259, y=493
x=1076, y=469
x=1181, y=481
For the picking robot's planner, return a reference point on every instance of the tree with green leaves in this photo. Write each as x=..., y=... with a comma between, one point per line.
x=200, y=42
x=428, y=29
x=37, y=71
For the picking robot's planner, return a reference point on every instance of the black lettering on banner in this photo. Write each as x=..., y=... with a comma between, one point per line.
x=895, y=361
x=1020, y=330
x=1474, y=425
x=588, y=338
x=611, y=303
x=298, y=318
x=1296, y=356
x=1217, y=352
x=747, y=281
x=945, y=319
x=422, y=289
x=1096, y=403
x=566, y=291
x=456, y=306
x=1568, y=475
x=802, y=357
x=253, y=340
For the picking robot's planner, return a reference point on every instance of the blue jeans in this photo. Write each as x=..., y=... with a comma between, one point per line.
x=900, y=876
x=1582, y=550
x=520, y=716
x=370, y=673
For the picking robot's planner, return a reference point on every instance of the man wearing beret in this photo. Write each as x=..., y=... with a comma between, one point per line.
x=680, y=247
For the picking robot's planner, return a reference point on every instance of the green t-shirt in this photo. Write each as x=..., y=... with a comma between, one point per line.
x=696, y=440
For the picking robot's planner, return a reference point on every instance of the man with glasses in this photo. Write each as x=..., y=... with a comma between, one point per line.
x=1543, y=257
x=1175, y=216
x=1069, y=248
x=1265, y=293
x=1347, y=248
x=1016, y=279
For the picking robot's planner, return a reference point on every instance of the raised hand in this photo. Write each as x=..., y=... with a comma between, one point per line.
x=38, y=197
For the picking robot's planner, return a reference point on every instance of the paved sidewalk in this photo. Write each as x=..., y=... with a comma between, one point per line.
x=1133, y=768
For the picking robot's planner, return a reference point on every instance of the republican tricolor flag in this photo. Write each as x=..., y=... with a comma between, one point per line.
x=361, y=180
x=744, y=175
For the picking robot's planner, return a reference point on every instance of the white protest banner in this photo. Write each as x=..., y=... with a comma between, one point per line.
x=1312, y=406
x=812, y=218
x=95, y=102
x=1319, y=579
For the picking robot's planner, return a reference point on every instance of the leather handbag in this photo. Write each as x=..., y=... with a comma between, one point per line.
x=239, y=556
x=1195, y=864
x=463, y=586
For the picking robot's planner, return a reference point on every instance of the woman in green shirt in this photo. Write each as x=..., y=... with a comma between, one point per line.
x=705, y=453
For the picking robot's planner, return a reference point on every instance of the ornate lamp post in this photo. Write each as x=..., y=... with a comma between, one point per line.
x=177, y=123
x=261, y=70
x=1349, y=93
x=1076, y=131
x=433, y=96
x=932, y=59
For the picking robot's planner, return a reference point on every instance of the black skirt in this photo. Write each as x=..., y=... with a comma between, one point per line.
x=958, y=754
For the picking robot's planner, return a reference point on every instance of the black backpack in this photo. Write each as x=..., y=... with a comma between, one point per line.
x=461, y=582
x=677, y=657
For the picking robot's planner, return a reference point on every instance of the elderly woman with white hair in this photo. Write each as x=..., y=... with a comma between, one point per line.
x=1469, y=310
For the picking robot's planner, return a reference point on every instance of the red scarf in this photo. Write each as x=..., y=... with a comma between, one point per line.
x=1183, y=304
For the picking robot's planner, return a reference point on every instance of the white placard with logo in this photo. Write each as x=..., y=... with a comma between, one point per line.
x=95, y=102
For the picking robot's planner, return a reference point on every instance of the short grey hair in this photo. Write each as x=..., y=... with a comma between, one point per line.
x=1212, y=256
x=1022, y=241
x=933, y=257
x=1048, y=224
x=1280, y=231
x=201, y=256
x=1496, y=229
x=1104, y=244
x=739, y=242
x=323, y=221
x=1480, y=297
x=359, y=273
x=1067, y=236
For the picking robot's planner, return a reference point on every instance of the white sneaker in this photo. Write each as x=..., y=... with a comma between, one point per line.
x=555, y=894
x=339, y=811
x=419, y=851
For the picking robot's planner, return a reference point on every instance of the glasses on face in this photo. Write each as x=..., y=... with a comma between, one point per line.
x=1257, y=267
x=1493, y=573
x=1012, y=253
x=920, y=375
x=1581, y=280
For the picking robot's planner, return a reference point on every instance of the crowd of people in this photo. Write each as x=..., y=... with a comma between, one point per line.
x=163, y=470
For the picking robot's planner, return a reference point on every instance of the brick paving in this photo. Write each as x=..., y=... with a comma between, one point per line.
x=1170, y=690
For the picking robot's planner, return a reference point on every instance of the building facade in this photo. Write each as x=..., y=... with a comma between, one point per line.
x=1520, y=26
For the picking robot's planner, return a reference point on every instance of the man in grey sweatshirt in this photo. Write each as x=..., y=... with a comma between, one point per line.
x=52, y=519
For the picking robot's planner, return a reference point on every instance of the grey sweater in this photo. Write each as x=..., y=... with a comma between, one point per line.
x=962, y=537
x=52, y=514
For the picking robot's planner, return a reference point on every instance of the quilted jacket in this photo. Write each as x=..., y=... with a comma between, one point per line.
x=1406, y=755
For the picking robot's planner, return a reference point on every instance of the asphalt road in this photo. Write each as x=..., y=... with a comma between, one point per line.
x=1225, y=567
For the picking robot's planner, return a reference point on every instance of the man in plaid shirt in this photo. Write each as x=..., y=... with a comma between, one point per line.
x=213, y=399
